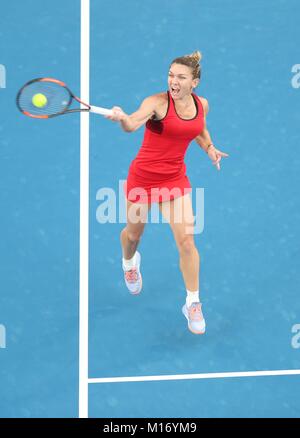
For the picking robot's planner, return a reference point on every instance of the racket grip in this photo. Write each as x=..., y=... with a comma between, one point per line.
x=102, y=111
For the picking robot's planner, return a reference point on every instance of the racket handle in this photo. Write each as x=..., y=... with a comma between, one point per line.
x=102, y=111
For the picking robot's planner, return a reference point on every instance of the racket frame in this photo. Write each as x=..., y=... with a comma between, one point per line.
x=94, y=109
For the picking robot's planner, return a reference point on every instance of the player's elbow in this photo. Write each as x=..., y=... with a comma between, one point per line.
x=134, y=125
x=128, y=125
x=128, y=129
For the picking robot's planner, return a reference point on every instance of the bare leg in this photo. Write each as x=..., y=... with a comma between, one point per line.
x=179, y=214
x=131, y=234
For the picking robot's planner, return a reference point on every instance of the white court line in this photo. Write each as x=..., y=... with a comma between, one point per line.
x=194, y=376
x=84, y=212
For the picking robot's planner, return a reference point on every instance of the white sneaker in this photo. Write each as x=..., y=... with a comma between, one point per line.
x=133, y=278
x=196, y=322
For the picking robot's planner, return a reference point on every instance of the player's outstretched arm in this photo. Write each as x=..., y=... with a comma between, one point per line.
x=134, y=121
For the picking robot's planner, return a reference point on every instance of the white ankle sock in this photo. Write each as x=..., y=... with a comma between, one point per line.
x=192, y=297
x=129, y=264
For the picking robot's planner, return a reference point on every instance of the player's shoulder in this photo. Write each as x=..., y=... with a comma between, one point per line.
x=204, y=102
x=156, y=101
x=159, y=97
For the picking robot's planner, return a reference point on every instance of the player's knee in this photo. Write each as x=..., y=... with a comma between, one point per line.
x=134, y=236
x=186, y=245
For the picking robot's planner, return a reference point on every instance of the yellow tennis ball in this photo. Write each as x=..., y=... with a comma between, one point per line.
x=39, y=100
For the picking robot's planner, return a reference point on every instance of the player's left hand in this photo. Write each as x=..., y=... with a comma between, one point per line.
x=215, y=155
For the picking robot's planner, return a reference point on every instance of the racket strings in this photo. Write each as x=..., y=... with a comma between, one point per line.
x=58, y=98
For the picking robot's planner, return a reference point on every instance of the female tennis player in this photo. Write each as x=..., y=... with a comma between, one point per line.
x=158, y=174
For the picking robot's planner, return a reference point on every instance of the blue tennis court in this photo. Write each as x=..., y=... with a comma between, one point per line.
x=249, y=245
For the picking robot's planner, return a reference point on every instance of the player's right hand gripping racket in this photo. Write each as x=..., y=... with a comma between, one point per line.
x=43, y=98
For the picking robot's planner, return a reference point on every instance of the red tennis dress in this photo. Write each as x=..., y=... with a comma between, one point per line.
x=158, y=173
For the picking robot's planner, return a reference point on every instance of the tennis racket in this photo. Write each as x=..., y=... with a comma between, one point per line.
x=43, y=98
